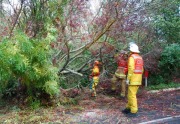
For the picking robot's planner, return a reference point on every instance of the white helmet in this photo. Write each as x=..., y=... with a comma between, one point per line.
x=134, y=48
x=131, y=43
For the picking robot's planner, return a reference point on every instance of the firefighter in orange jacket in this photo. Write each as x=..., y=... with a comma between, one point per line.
x=134, y=80
x=95, y=77
x=120, y=74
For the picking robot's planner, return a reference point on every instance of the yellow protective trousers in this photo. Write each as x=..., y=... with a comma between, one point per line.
x=94, y=84
x=122, y=82
x=132, y=100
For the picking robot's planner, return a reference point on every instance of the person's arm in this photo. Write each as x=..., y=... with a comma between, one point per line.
x=131, y=65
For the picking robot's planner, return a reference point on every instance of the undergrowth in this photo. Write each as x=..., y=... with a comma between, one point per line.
x=163, y=86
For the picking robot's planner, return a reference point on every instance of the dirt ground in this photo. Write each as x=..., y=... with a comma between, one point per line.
x=104, y=109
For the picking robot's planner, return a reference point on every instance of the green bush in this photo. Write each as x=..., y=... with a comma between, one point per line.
x=34, y=103
x=169, y=62
x=168, y=65
x=156, y=80
x=28, y=62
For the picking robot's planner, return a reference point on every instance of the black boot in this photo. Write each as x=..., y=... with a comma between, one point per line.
x=131, y=115
x=126, y=111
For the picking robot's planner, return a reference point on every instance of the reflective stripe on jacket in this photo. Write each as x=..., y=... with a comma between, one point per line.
x=135, y=69
x=120, y=73
x=138, y=64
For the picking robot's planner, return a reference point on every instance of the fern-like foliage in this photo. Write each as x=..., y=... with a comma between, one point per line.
x=28, y=60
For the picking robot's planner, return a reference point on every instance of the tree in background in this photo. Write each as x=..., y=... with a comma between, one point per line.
x=165, y=17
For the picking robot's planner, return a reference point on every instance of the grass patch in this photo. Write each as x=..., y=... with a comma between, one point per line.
x=163, y=86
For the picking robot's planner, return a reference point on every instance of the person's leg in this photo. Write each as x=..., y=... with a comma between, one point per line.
x=113, y=83
x=132, y=100
x=127, y=109
x=123, y=87
x=128, y=105
x=95, y=83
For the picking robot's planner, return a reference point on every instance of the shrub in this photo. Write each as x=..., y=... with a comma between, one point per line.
x=28, y=62
x=156, y=79
x=170, y=60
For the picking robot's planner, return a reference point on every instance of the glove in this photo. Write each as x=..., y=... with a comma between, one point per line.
x=127, y=82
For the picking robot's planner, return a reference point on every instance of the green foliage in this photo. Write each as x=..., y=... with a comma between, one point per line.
x=85, y=81
x=56, y=7
x=51, y=87
x=73, y=81
x=167, y=21
x=156, y=80
x=27, y=60
x=63, y=82
x=34, y=103
x=168, y=65
x=169, y=62
x=10, y=87
x=163, y=86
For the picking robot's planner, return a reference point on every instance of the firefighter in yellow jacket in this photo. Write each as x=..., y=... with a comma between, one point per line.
x=134, y=80
x=120, y=74
x=95, y=77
